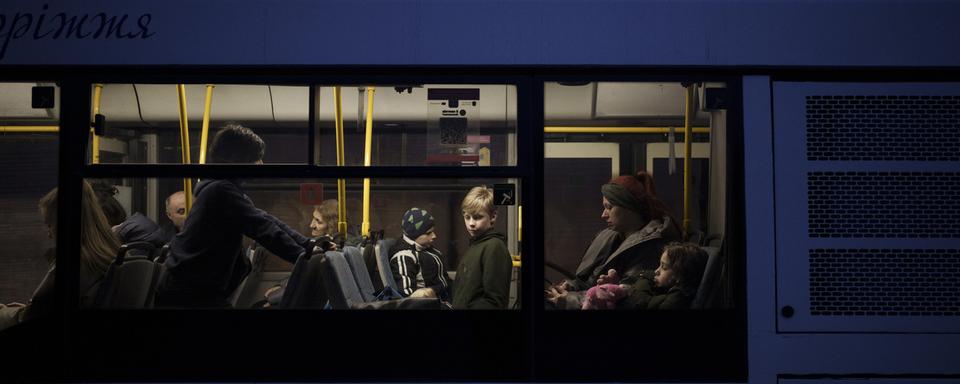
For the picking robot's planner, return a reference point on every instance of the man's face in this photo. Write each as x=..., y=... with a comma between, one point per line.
x=177, y=210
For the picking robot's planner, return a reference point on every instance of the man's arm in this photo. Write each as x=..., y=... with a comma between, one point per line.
x=261, y=226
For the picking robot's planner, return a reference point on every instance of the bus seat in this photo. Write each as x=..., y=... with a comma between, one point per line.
x=305, y=289
x=345, y=293
x=360, y=273
x=339, y=280
x=383, y=263
x=696, y=236
x=162, y=254
x=709, y=289
x=370, y=259
x=404, y=303
x=131, y=280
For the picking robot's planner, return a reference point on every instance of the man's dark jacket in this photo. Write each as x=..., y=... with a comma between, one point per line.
x=204, y=256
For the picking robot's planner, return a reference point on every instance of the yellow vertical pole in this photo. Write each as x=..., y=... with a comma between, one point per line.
x=206, y=124
x=687, y=145
x=185, y=144
x=368, y=143
x=341, y=183
x=516, y=263
x=95, y=147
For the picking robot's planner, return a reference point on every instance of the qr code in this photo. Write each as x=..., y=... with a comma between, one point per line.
x=453, y=130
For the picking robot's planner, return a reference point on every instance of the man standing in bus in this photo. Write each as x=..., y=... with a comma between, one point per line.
x=206, y=263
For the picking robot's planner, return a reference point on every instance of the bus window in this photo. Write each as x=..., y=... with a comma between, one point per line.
x=427, y=212
x=411, y=125
x=143, y=123
x=626, y=143
x=421, y=125
x=29, y=122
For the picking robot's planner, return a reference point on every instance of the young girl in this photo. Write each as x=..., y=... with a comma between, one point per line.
x=675, y=283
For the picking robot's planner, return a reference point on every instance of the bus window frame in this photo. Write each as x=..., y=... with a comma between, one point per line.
x=75, y=117
x=553, y=323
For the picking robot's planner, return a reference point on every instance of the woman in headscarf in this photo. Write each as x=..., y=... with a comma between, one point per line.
x=638, y=227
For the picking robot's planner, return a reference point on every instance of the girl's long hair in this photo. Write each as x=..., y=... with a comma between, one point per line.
x=98, y=243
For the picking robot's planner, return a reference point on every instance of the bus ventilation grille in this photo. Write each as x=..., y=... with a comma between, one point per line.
x=883, y=128
x=885, y=282
x=883, y=204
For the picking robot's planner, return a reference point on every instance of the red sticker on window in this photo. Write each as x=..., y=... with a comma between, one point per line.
x=311, y=193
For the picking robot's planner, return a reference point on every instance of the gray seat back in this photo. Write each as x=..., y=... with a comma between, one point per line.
x=339, y=280
x=383, y=263
x=360, y=273
x=306, y=288
x=131, y=280
x=709, y=289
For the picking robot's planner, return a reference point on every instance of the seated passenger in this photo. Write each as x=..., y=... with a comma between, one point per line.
x=418, y=266
x=672, y=286
x=112, y=209
x=483, y=276
x=136, y=227
x=206, y=263
x=98, y=247
x=323, y=224
x=638, y=226
x=176, y=207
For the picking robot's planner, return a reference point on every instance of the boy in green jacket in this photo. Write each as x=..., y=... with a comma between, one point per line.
x=483, y=277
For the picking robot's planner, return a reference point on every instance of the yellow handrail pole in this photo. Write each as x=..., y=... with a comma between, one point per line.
x=368, y=143
x=185, y=145
x=687, y=147
x=519, y=222
x=29, y=129
x=95, y=147
x=516, y=263
x=564, y=129
x=341, y=183
x=206, y=124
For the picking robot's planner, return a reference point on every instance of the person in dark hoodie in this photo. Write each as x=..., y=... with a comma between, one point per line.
x=136, y=227
x=483, y=276
x=639, y=225
x=206, y=263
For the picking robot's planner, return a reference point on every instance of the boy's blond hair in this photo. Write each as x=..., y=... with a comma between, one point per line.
x=479, y=199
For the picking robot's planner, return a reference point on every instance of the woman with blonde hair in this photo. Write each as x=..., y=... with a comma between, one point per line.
x=98, y=247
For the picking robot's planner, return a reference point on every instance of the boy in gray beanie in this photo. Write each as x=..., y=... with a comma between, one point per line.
x=418, y=266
